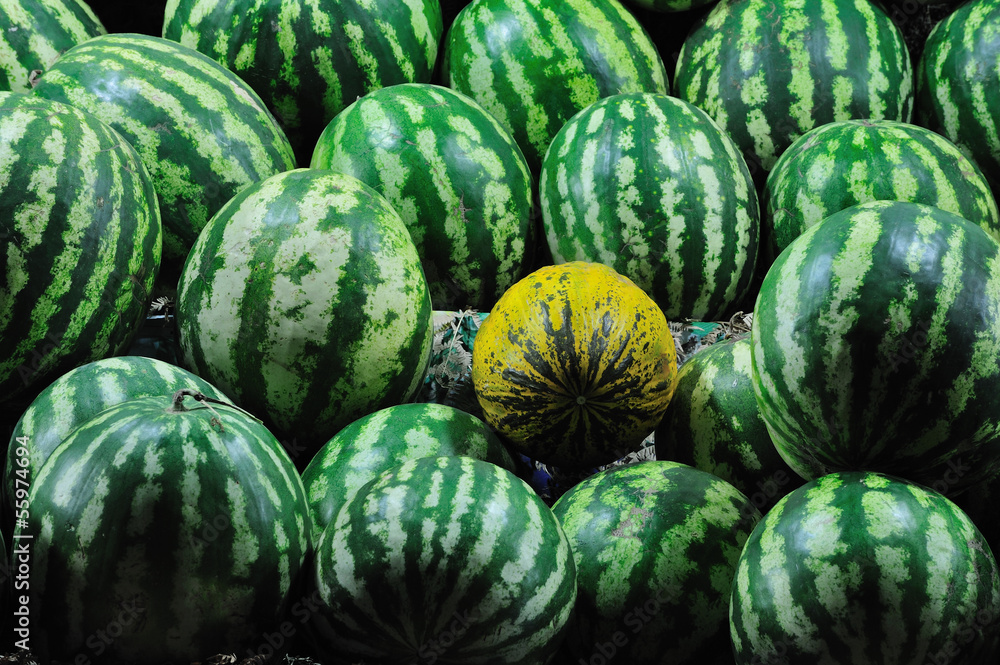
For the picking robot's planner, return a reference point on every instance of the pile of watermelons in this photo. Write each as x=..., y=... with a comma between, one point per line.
x=500, y=332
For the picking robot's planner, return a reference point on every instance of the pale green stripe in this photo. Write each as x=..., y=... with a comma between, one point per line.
x=794, y=24
x=878, y=82
x=790, y=616
x=400, y=57
x=838, y=44
x=287, y=361
x=479, y=64
x=840, y=315
x=714, y=222
x=944, y=95
x=455, y=223
x=13, y=127
x=793, y=367
x=591, y=204
x=393, y=172
x=71, y=24
x=10, y=62
x=288, y=15
x=420, y=28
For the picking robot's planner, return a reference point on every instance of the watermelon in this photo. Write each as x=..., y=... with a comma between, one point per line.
x=309, y=62
x=79, y=395
x=448, y=559
x=841, y=164
x=33, y=33
x=304, y=300
x=385, y=439
x=535, y=63
x=958, y=83
x=649, y=185
x=80, y=234
x=455, y=176
x=202, y=133
x=655, y=546
x=713, y=423
x=876, y=346
x=163, y=529
x=860, y=568
x=768, y=71
x=574, y=366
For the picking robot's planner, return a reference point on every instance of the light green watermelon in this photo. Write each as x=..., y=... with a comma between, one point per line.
x=304, y=300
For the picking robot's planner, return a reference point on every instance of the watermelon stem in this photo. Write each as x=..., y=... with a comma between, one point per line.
x=178, y=405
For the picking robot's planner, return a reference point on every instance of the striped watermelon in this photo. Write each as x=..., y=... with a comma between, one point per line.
x=33, y=33
x=80, y=235
x=162, y=530
x=201, y=132
x=958, y=83
x=770, y=70
x=655, y=545
x=841, y=164
x=303, y=299
x=310, y=61
x=444, y=559
x=860, y=568
x=876, y=346
x=83, y=393
x=385, y=439
x=535, y=63
x=649, y=185
x=574, y=366
x=455, y=176
x=714, y=424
